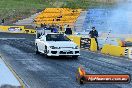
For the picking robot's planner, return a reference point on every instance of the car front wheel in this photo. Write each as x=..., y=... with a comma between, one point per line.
x=45, y=52
x=37, y=52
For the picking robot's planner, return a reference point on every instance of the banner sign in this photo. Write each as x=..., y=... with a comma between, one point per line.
x=14, y=29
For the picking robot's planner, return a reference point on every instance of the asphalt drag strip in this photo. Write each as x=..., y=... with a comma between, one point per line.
x=37, y=71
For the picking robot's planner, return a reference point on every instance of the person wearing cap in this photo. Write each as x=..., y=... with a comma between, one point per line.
x=94, y=34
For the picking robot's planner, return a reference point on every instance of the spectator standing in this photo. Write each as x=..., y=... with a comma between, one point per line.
x=2, y=21
x=41, y=25
x=94, y=34
x=55, y=30
x=60, y=28
x=52, y=27
x=68, y=30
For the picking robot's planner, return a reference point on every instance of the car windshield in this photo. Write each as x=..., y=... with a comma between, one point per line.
x=56, y=37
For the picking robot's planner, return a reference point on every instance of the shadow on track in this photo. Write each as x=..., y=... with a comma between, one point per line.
x=60, y=58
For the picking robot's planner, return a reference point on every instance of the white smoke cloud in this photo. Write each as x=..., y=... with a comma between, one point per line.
x=121, y=18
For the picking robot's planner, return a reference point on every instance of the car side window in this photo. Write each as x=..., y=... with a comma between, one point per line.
x=48, y=38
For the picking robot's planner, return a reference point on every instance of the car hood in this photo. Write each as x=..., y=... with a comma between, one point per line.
x=63, y=44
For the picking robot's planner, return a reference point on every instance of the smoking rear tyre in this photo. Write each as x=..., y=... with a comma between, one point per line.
x=75, y=57
x=37, y=52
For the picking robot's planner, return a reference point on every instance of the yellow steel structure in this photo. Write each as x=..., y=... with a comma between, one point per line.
x=59, y=16
x=113, y=50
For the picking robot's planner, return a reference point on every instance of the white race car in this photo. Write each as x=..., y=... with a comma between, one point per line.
x=55, y=44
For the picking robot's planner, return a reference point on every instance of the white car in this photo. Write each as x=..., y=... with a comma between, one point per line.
x=55, y=44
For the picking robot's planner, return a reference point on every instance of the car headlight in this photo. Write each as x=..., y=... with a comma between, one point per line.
x=53, y=47
x=76, y=47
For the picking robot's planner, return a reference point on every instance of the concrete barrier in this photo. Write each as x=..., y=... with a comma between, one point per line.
x=30, y=31
x=93, y=45
x=113, y=50
x=130, y=52
x=75, y=39
x=113, y=47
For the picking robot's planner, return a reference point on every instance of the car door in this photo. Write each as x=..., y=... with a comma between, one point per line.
x=37, y=44
x=42, y=44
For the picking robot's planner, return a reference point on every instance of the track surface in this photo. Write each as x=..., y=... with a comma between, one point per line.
x=37, y=71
